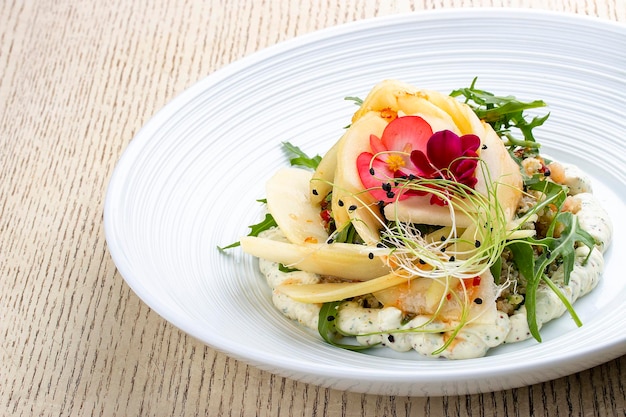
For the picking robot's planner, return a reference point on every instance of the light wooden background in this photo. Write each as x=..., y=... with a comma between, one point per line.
x=77, y=80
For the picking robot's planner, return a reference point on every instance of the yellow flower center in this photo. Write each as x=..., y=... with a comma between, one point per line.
x=395, y=162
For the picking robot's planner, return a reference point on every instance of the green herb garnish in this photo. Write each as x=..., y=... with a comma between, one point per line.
x=504, y=113
x=356, y=100
x=552, y=248
x=301, y=158
x=267, y=223
x=327, y=326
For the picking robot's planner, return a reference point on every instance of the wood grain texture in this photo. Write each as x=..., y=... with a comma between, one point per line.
x=77, y=80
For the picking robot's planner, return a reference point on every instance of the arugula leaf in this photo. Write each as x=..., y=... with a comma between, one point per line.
x=283, y=268
x=267, y=223
x=561, y=247
x=524, y=258
x=327, y=326
x=348, y=235
x=496, y=270
x=565, y=244
x=357, y=100
x=301, y=159
x=504, y=113
x=554, y=193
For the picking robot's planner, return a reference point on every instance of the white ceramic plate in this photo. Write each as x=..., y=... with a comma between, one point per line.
x=189, y=180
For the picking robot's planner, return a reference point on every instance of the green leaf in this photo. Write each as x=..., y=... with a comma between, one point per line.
x=565, y=244
x=554, y=193
x=357, y=100
x=524, y=259
x=301, y=158
x=327, y=326
x=283, y=268
x=504, y=113
x=348, y=235
x=496, y=270
x=267, y=223
x=533, y=268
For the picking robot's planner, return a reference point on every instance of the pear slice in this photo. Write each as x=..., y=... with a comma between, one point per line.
x=350, y=202
x=342, y=260
x=322, y=180
x=287, y=194
x=439, y=110
x=384, y=97
x=419, y=296
x=327, y=292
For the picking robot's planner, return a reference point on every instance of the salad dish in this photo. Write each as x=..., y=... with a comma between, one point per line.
x=433, y=224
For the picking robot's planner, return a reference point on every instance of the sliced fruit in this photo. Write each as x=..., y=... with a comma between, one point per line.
x=287, y=194
x=342, y=260
x=351, y=203
x=327, y=292
x=322, y=180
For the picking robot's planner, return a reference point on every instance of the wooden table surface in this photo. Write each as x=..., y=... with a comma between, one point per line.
x=77, y=80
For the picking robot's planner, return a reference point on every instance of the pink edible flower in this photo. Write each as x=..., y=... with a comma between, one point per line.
x=448, y=157
x=409, y=149
x=391, y=156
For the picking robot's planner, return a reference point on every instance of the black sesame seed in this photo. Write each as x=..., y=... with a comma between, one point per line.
x=372, y=172
x=352, y=207
x=370, y=255
x=380, y=245
x=423, y=262
x=330, y=318
x=314, y=192
x=381, y=208
x=386, y=186
x=443, y=238
x=329, y=241
x=478, y=300
x=391, y=338
x=443, y=249
x=340, y=202
x=484, y=146
x=477, y=244
x=452, y=258
x=546, y=173
x=390, y=194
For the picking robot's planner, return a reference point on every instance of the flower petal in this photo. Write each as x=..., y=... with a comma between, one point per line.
x=464, y=168
x=443, y=147
x=422, y=164
x=469, y=143
x=406, y=134
x=373, y=172
x=376, y=145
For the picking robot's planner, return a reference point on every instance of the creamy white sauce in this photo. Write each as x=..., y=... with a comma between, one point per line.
x=583, y=278
x=423, y=335
x=576, y=180
x=595, y=220
x=304, y=313
x=380, y=326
